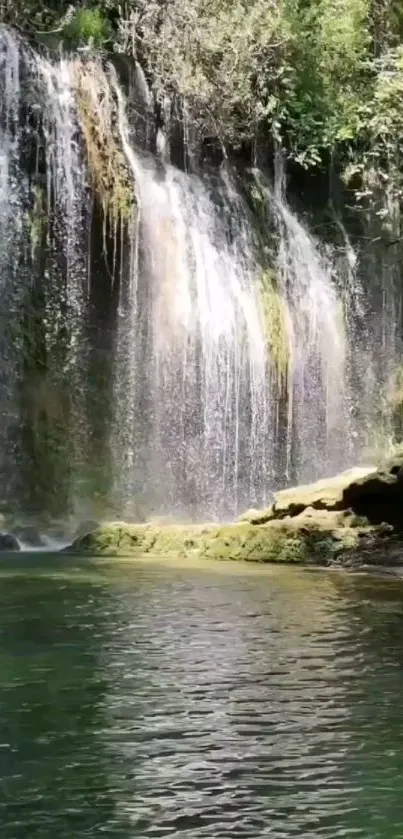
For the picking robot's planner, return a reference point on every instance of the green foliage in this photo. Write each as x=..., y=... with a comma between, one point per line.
x=224, y=57
x=297, y=70
x=385, y=122
x=328, y=76
x=376, y=158
x=88, y=26
x=323, y=78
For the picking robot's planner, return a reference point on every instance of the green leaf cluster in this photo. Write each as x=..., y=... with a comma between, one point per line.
x=323, y=78
x=88, y=26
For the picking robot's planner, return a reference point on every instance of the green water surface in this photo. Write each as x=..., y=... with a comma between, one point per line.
x=168, y=700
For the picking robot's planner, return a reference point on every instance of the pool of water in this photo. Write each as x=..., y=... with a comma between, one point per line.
x=189, y=701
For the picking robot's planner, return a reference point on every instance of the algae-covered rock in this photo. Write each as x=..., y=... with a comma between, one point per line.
x=326, y=494
x=277, y=326
x=108, y=166
x=302, y=539
x=370, y=493
x=359, y=513
x=237, y=541
x=333, y=520
x=258, y=516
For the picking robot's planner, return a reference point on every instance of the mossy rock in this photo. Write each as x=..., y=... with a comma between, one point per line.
x=276, y=325
x=299, y=541
x=326, y=494
x=379, y=495
x=258, y=516
x=336, y=519
x=108, y=166
x=364, y=496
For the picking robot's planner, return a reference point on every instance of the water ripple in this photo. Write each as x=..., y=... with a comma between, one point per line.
x=189, y=702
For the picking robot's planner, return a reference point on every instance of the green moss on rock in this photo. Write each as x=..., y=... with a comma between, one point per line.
x=339, y=519
x=107, y=163
x=276, y=326
x=326, y=494
x=258, y=516
x=298, y=541
x=237, y=541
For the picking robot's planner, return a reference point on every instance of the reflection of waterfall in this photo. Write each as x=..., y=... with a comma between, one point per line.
x=164, y=301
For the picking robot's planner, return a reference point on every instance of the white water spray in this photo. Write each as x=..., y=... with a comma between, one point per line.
x=319, y=418
x=194, y=291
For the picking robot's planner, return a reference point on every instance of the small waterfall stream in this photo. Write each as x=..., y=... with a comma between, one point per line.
x=14, y=190
x=319, y=416
x=44, y=270
x=198, y=421
x=194, y=290
x=67, y=185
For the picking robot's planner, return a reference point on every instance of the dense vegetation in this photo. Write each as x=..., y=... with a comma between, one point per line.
x=322, y=77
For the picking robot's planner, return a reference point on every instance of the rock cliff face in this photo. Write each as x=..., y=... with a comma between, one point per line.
x=353, y=519
x=326, y=495
x=379, y=494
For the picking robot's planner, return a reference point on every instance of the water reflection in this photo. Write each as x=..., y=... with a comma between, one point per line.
x=53, y=769
x=141, y=701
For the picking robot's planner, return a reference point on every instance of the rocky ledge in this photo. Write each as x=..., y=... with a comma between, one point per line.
x=353, y=519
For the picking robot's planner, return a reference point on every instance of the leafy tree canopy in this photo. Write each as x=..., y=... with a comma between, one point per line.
x=322, y=77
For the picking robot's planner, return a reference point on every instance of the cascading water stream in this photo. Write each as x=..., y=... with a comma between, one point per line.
x=202, y=422
x=43, y=263
x=14, y=197
x=318, y=390
x=67, y=195
x=207, y=401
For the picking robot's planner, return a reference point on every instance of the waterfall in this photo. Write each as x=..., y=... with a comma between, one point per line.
x=13, y=199
x=203, y=415
x=173, y=354
x=67, y=196
x=209, y=445
x=43, y=269
x=319, y=432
